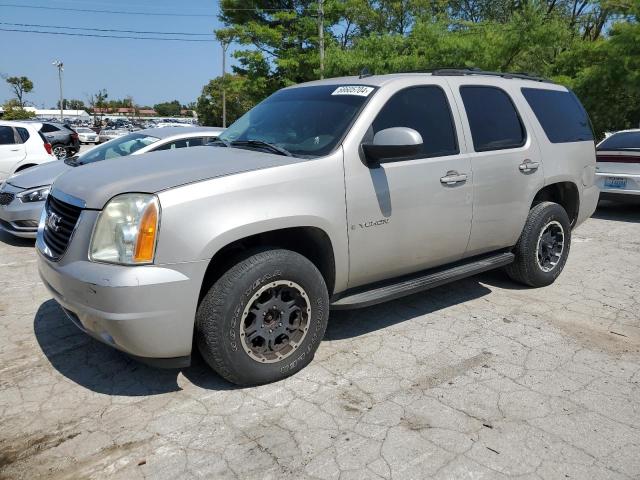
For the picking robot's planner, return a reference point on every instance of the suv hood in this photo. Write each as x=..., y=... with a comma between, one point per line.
x=97, y=183
x=39, y=175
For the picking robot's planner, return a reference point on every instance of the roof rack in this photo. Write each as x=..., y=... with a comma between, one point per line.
x=476, y=71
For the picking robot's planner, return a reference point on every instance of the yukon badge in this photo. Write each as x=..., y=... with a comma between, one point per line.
x=372, y=223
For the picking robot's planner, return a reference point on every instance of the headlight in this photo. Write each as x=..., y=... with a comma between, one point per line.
x=38, y=194
x=126, y=230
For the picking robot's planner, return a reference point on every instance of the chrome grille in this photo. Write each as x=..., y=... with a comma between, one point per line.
x=6, y=198
x=59, y=224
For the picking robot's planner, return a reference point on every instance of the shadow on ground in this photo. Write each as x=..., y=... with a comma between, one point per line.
x=103, y=369
x=619, y=211
x=15, y=241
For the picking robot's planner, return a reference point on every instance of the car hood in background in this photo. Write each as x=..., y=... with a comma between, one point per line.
x=98, y=182
x=39, y=175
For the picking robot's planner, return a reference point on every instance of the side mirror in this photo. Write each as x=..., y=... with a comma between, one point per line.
x=392, y=144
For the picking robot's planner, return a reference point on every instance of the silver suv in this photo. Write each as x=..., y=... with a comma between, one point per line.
x=340, y=193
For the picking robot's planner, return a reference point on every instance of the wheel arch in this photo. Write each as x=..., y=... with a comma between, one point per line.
x=565, y=193
x=309, y=241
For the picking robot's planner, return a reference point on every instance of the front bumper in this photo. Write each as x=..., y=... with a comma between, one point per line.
x=20, y=219
x=147, y=312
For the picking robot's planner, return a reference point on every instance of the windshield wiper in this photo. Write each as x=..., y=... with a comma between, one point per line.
x=72, y=161
x=261, y=144
x=219, y=141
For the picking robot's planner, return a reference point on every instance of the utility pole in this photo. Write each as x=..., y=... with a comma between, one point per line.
x=60, y=66
x=225, y=44
x=321, y=35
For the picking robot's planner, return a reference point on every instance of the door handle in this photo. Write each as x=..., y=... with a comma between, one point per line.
x=15, y=150
x=528, y=166
x=452, y=178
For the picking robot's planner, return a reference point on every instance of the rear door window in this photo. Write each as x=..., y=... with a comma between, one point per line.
x=622, y=141
x=560, y=114
x=494, y=121
x=426, y=110
x=7, y=136
x=24, y=134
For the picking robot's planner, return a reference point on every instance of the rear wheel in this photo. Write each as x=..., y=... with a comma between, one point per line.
x=60, y=151
x=543, y=247
x=264, y=318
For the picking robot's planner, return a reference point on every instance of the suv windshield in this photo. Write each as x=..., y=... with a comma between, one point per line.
x=306, y=121
x=118, y=147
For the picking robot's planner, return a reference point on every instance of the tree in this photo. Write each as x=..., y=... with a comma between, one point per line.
x=20, y=87
x=209, y=104
x=13, y=111
x=168, y=109
x=72, y=104
x=97, y=101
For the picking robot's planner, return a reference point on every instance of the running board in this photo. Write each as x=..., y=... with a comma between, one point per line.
x=407, y=286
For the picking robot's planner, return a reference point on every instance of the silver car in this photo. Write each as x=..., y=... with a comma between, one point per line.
x=340, y=193
x=23, y=195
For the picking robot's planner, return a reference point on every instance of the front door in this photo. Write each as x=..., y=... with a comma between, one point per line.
x=409, y=215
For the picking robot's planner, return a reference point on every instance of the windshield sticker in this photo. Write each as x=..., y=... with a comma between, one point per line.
x=358, y=90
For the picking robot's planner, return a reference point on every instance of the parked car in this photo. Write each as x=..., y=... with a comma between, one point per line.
x=21, y=146
x=107, y=134
x=339, y=193
x=86, y=135
x=64, y=141
x=23, y=196
x=618, y=165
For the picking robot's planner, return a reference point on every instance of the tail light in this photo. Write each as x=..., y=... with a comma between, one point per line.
x=74, y=136
x=47, y=147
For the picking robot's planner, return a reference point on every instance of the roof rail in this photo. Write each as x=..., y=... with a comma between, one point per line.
x=475, y=71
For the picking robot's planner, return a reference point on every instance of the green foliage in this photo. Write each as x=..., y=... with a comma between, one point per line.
x=168, y=109
x=592, y=46
x=14, y=111
x=20, y=87
x=209, y=105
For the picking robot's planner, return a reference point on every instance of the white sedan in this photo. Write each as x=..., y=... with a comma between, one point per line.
x=86, y=135
x=618, y=165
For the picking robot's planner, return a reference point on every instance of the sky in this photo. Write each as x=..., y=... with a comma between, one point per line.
x=150, y=71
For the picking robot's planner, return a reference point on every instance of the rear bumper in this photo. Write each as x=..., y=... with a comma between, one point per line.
x=631, y=183
x=147, y=312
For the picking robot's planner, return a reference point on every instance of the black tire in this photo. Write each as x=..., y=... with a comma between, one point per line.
x=528, y=268
x=221, y=321
x=59, y=147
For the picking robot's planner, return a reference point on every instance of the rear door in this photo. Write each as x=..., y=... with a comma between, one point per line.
x=505, y=159
x=12, y=150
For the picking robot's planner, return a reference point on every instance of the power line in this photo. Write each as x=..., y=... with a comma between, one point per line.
x=105, y=29
x=107, y=36
x=117, y=12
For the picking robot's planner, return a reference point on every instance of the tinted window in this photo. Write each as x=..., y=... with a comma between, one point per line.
x=24, y=134
x=47, y=128
x=119, y=147
x=307, y=121
x=621, y=141
x=562, y=117
x=6, y=136
x=426, y=110
x=494, y=120
x=183, y=143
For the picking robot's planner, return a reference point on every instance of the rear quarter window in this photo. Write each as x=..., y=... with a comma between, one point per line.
x=24, y=134
x=560, y=114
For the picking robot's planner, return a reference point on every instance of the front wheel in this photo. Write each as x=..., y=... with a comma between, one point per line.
x=543, y=247
x=263, y=320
